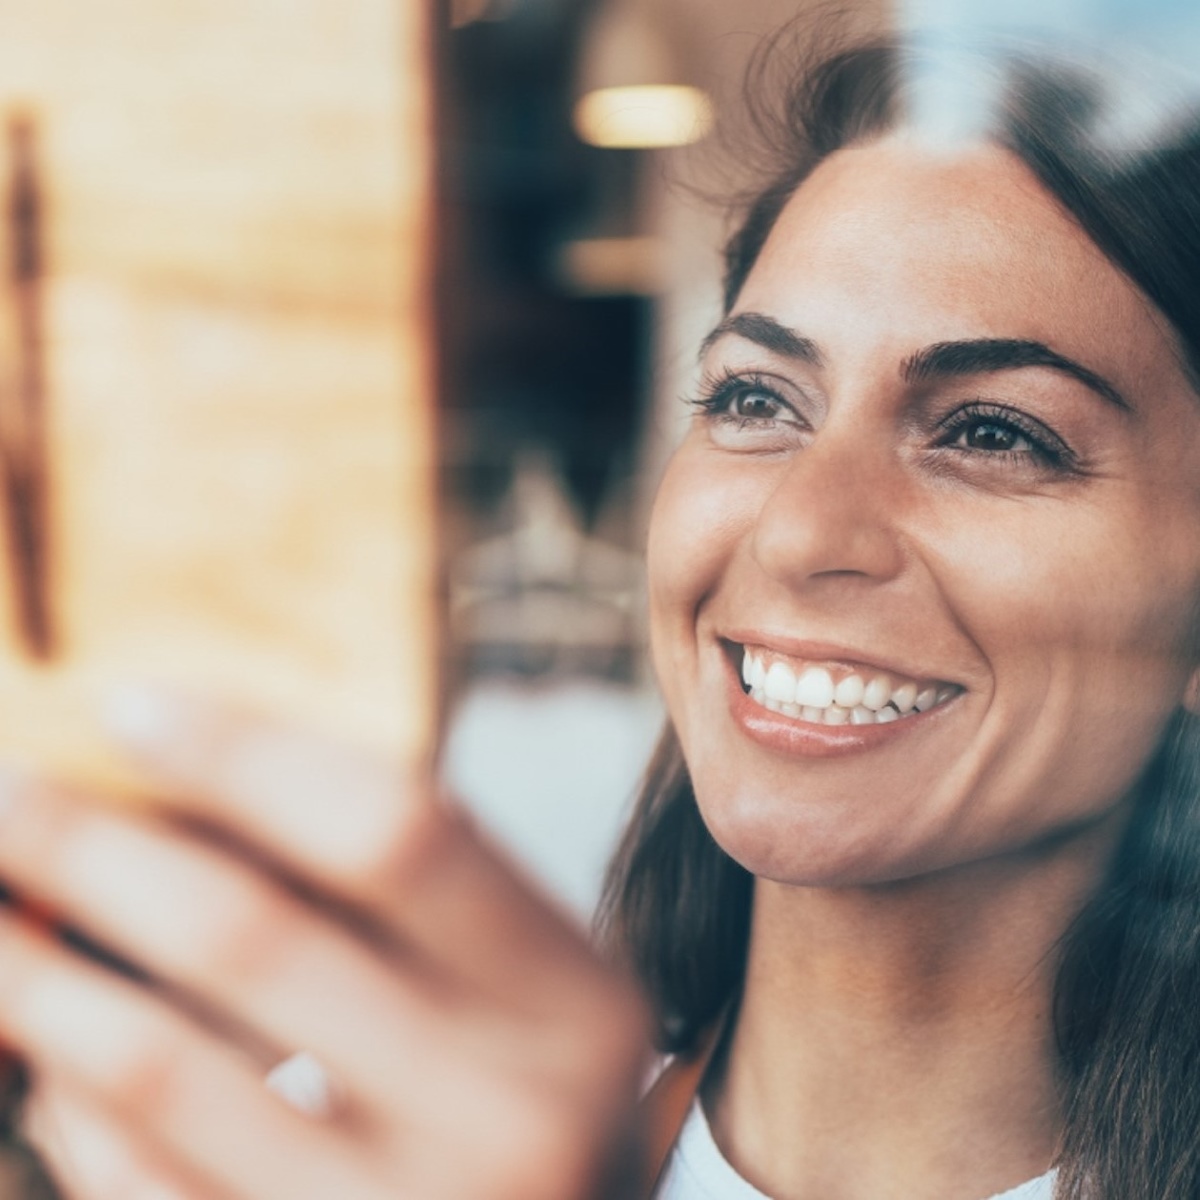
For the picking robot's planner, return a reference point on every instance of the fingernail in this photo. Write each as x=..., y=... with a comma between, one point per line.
x=138, y=713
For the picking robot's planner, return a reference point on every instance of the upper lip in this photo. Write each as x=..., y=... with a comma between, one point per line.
x=832, y=653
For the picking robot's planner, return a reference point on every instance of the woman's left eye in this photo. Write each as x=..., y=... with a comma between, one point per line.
x=991, y=435
x=999, y=432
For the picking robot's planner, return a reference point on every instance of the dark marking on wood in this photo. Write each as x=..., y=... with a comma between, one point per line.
x=24, y=449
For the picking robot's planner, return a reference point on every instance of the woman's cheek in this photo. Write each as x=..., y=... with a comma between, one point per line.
x=699, y=518
x=694, y=527
x=1084, y=620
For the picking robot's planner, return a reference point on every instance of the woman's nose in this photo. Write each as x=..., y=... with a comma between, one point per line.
x=833, y=513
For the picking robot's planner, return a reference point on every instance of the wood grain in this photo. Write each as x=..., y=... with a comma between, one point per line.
x=237, y=366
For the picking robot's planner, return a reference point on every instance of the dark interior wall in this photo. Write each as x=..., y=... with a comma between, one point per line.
x=530, y=365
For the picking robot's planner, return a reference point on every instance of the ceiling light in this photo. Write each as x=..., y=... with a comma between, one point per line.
x=632, y=88
x=642, y=116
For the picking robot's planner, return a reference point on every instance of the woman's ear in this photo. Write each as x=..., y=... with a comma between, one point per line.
x=1191, y=694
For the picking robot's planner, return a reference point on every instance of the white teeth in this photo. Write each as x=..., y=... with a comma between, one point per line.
x=781, y=684
x=878, y=692
x=849, y=692
x=815, y=688
x=856, y=699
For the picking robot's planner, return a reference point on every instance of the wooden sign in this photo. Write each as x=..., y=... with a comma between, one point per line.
x=215, y=379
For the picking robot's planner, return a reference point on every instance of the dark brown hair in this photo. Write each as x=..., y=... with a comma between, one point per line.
x=1127, y=1002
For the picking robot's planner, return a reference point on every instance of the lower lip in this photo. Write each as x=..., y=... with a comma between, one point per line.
x=784, y=735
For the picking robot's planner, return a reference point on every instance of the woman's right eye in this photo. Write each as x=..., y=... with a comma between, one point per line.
x=752, y=404
x=745, y=404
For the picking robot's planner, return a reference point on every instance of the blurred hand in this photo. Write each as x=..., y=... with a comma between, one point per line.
x=299, y=897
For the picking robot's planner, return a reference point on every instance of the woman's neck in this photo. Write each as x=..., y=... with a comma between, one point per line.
x=897, y=1041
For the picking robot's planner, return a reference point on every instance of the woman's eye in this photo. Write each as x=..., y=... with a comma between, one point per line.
x=994, y=436
x=987, y=431
x=744, y=402
x=752, y=405
x=745, y=412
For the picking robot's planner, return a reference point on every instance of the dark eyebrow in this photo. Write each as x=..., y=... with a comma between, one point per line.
x=1003, y=354
x=766, y=332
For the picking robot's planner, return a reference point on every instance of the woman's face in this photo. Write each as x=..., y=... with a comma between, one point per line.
x=948, y=464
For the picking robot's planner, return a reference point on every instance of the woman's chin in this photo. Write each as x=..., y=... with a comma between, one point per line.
x=804, y=844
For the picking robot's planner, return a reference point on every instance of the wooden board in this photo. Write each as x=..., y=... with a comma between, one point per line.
x=235, y=215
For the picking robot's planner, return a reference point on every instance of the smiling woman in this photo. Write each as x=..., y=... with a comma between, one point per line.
x=915, y=880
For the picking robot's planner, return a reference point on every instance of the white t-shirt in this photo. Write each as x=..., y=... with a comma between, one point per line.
x=697, y=1170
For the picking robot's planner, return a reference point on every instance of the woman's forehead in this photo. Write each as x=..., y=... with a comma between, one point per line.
x=890, y=242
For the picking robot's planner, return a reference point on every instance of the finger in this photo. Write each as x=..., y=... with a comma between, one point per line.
x=152, y=1071
x=360, y=829
x=164, y=1103
x=93, y=1158
x=213, y=927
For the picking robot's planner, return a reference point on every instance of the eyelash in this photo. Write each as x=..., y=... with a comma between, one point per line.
x=717, y=394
